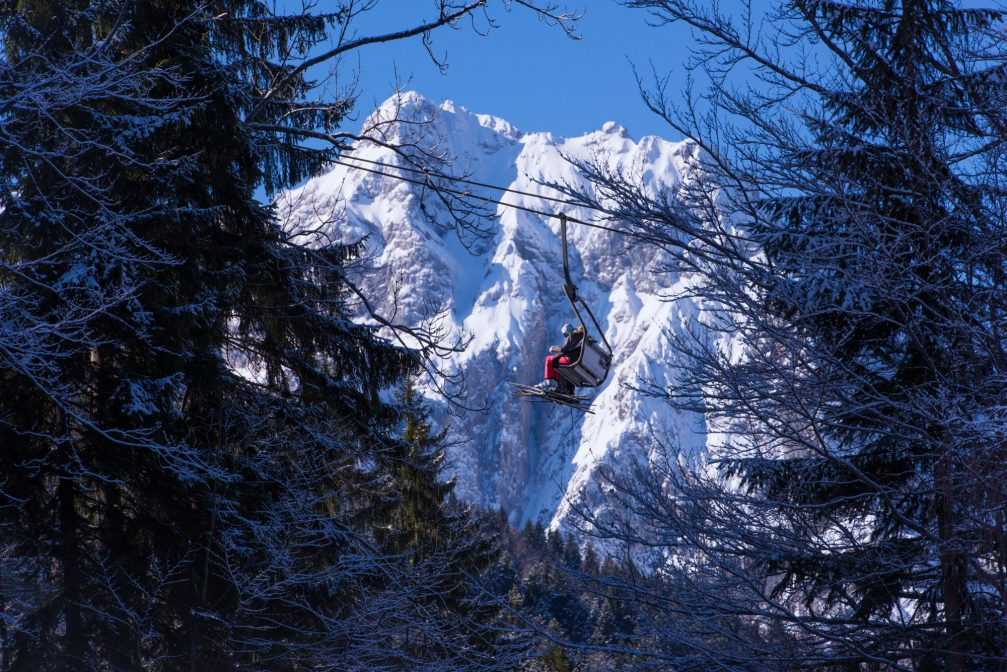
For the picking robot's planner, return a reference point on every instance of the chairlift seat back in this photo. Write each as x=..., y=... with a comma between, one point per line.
x=590, y=368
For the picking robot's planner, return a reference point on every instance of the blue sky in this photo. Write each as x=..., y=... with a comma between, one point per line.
x=530, y=73
x=527, y=72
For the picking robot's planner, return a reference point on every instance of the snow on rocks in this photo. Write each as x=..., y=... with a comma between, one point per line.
x=536, y=461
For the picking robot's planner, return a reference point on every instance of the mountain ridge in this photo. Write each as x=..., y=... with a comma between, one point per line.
x=504, y=294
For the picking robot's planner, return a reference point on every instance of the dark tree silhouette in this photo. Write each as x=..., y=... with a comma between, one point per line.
x=849, y=243
x=197, y=458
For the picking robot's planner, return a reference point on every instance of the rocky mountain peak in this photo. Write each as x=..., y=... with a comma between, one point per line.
x=534, y=460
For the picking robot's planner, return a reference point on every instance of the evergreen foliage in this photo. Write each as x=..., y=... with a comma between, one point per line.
x=888, y=272
x=549, y=587
x=200, y=470
x=856, y=260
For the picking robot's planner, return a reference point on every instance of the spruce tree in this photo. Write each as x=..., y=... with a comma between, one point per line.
x=853, y=261
x=195, y=483
x=445, y=543
x=888, y=272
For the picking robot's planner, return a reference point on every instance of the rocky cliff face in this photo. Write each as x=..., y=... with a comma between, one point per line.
x=505, y=292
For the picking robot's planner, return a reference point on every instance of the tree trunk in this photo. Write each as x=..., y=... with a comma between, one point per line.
x=74, y=642
x=952, y=582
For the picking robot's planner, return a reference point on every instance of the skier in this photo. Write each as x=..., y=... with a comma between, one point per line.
x=560, y=355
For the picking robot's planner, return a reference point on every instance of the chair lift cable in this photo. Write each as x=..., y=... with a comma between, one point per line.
x=569, y=289
x=475, y=183
x=487, y=199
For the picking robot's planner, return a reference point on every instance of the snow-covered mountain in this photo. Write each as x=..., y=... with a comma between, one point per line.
x=533, y=460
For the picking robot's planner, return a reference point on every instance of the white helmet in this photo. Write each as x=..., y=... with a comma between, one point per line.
x=566, y=328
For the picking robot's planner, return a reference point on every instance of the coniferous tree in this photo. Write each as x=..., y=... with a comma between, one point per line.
x=194, y=482
x=62, y=219
x=856, y=260
x=418, y=521
x=442, y=539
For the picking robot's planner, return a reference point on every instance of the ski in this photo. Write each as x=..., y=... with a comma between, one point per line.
x=579, y=402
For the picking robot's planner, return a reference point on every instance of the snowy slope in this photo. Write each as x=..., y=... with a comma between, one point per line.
x=533, y=460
